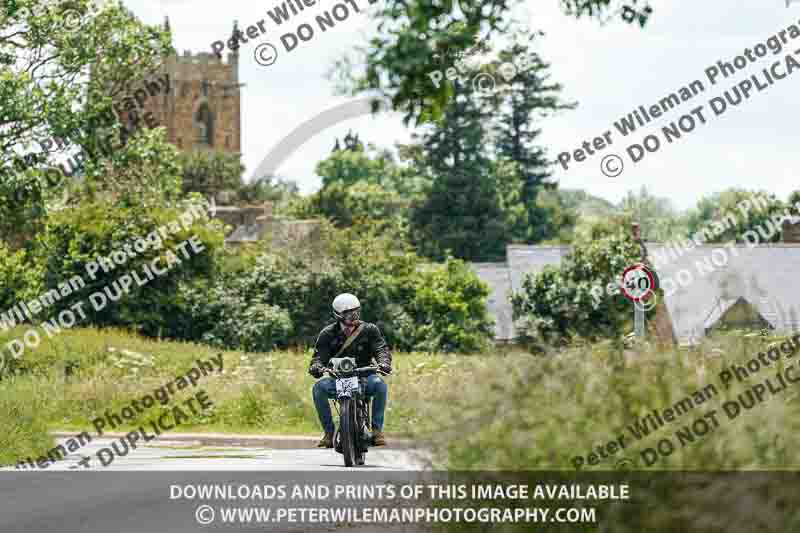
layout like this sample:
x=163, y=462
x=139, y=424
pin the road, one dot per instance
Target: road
x=137, y=492
x=161, y=455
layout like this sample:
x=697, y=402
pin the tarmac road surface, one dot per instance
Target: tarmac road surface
x=134, y=493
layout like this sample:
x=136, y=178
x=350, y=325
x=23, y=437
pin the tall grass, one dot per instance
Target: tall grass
x=81, y=374
x=525, y=412
x=26, y=407
x=508, y=410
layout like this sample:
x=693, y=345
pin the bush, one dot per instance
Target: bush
x=449, y=308
x=557, y=303
x=223, y=317
x=18, y=280
x=75, y=237
x=282, y=300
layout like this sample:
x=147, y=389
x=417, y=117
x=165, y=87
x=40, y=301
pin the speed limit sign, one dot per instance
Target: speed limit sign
x=638, y=282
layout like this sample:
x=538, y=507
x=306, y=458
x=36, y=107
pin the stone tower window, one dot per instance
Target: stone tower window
x=204, y=126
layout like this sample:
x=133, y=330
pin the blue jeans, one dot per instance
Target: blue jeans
x=325, y=388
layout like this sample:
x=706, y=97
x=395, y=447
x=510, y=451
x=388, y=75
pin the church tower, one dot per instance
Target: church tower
x=202, y=108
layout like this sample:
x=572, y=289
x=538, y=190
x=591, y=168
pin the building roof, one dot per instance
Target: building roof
x=496, y=275
x=767, y=276
x=523, y=260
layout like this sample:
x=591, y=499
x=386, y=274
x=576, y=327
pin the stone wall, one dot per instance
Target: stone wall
x=284, y=231
x=241, y=216
x=250, y=224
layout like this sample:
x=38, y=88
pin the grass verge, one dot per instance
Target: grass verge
x=73, y=378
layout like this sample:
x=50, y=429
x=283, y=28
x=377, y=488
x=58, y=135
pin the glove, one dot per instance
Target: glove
x=386, y=368
x=316, y=370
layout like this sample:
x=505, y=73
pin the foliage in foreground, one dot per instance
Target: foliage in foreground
x=404, y=48
x=526, y=414
x=539, y=412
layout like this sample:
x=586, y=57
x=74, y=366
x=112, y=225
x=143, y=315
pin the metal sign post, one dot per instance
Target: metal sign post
x=638, y=321
x=638, y=310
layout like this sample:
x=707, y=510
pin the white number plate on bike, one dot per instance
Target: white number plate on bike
x=346, y=386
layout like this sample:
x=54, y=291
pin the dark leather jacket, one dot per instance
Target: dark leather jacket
x=370, y=343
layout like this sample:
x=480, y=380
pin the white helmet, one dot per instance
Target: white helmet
x=345, y=303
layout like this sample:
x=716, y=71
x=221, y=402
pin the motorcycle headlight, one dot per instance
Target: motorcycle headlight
x=347, y=365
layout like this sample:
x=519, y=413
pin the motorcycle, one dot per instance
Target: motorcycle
x=354, y=435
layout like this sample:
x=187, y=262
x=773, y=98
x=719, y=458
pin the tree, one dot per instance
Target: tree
x=794, y=202
x=347, y=167
x=353, y=143
x=59, y=76
x=402, y=52
x=722, y=219
x=210, y=172
x=268, y=189
x=509, y=188
x=373, y=166
x=583, y=203
x=559, y=220
x=515, y=107
x=357, y=204
x=462, y=214
x=658, y=218
x=146, y=175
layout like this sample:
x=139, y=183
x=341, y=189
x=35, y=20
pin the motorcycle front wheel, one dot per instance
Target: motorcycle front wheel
x=347, y=430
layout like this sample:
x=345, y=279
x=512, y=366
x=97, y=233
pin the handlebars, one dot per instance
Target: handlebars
x=330, y=371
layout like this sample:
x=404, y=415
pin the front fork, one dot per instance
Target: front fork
x=366, y=422
x=363, y=406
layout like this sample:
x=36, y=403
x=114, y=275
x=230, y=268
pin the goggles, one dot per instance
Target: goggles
x=351, y=315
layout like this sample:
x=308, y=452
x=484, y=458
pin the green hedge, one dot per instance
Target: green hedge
x=233, y=298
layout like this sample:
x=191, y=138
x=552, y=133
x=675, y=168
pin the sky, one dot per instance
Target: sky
x=608, y=69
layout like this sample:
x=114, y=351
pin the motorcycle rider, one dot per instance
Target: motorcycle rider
x=367, y=344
